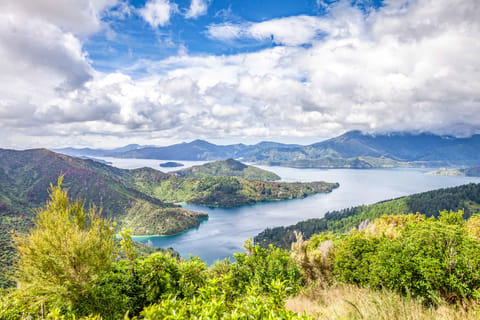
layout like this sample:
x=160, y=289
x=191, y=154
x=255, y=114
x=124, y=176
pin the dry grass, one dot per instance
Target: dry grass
x=350, y=302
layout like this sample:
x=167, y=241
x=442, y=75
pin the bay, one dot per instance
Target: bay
x=226, y=229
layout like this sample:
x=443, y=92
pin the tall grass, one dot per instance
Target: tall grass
x=350, y=302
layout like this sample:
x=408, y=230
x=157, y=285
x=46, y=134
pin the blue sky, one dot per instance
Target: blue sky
x=106, y=73
x=136, y=39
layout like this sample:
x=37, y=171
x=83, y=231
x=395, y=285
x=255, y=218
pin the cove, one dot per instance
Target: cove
x=227, y=228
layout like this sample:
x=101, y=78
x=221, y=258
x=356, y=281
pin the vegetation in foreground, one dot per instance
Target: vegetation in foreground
x=395, y=267
x=347, y=301
x=67, y=270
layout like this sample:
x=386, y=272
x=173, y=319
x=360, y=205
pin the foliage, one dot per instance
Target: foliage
x=260, y=267
x=162, y=286
x=61, y=257
x=211, y=306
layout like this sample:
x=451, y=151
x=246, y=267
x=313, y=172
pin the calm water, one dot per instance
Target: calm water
x=226, y=229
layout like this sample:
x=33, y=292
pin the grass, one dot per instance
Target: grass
x=349, y=302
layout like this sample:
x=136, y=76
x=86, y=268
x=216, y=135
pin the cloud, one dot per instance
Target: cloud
x=406, y=66
x=226, y=31
x=197, y=8
x=157, y=12
x=295, y=30
x=81, y=17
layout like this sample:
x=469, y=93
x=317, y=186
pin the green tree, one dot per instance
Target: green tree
x=62, y=256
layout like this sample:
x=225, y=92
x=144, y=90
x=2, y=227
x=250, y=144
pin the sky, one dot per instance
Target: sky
x=106, y=73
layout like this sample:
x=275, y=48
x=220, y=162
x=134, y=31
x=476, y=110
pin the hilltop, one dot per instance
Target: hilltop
x=229, y=167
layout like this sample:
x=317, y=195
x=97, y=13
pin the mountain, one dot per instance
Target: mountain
x=195, y=150
x=401, y=146
x=430, y=203
x=229, y=167
x=353, y=149
x=25, y=177
x=89, y=152
x=191, y=151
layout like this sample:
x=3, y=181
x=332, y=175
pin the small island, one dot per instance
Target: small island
x=171, y=164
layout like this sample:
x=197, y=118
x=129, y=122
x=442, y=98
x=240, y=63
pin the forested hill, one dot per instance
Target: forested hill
x=227, y=167
x=430, y=203
x=25, y=178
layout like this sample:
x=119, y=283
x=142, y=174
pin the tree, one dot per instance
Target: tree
x=64, y=253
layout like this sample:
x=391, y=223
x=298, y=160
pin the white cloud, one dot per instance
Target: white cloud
x=225, y=31
x=81, y=17
x=197, y=8
x=403, y=67
x=157, y=12
x=295, y=30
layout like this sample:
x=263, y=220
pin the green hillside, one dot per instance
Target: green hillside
x=25, y=177
x=430, y=203
x=141, y=199
x=230, y=167
x=223, y=191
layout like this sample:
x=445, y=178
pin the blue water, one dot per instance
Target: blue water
x=227, y=228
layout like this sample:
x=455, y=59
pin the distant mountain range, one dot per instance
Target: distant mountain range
x=353, y=149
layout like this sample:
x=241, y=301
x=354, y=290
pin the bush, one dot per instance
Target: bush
x=430, y=259
x=260, y=266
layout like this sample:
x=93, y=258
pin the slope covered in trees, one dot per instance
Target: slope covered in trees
x=229, y=167
x=430, y=203
x=25, y=177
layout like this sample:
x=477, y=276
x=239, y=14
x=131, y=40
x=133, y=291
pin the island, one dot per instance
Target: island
x=229, y=167
x=171, y=164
